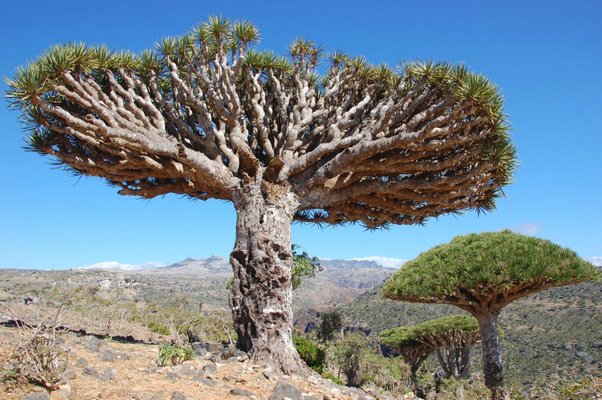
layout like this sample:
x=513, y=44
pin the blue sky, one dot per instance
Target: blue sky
x=546, y=57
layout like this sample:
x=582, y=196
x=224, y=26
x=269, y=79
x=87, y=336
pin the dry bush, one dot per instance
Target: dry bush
x=41, y=356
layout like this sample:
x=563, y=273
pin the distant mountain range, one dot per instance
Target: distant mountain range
x=218, y=262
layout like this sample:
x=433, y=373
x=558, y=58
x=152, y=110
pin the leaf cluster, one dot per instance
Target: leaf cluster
x=494, y=261
x=418, y=335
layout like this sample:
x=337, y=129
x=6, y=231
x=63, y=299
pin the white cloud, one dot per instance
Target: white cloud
x=114, y=265
x=528, y=228
x=597, y=260
x=386, y=262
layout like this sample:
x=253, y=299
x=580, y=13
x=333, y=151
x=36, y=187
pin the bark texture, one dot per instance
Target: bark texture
x=261, y=293
x=492, y=358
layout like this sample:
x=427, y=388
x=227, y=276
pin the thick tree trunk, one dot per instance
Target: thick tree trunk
x=492, y=358
x=261, y=293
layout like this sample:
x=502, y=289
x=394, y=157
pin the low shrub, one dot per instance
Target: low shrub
x=171, y=354
x=310, y=352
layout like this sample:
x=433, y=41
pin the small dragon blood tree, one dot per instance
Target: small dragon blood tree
x=482, y=273
x=451, y=338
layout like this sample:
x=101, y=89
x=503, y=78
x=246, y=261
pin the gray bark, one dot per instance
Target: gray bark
x=261, y=293
x=492, y=358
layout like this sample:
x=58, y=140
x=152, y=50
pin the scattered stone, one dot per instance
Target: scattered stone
x=240, y=353
x=171, y=375
x=199, y=349
x=242, y=392
x=585, y=356
x=178, y=396
x=154, y=369
x=232, y=360
x=210, y=368
x=183, y=369
x=147, y=395
x=62, y=393
x=197, y=374
x=286, y=390
x=108, y=374
x=267, y=374
x=81, y=362
x=69, y=374
x=30, y=300
x=91, y=371
x=122, y=356
x=206, y=381
x=37, y=396
x=107, y=355
x=92, y=343
x=74, y=337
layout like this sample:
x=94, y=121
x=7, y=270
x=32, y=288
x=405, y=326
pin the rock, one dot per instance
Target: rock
x=178, y=396
x=232, y=360
x=69, y=374
x=267, y=374
x=210, y=368
x=286, y=390
x=62, y=393
x=242, y=392
x=81, y=362
x=108, y=374
x=199, y=349
x=36, y=396
x=92, y=343
x=182, y=369
x=240, y=353
x=206, y=381
x=585, y=356
x=91, y=371
x=107, y=355
x=171, y=375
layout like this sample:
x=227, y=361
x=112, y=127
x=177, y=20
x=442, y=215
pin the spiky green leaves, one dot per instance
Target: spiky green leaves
x=220, y=34
x=268, y=60
x=487, y=264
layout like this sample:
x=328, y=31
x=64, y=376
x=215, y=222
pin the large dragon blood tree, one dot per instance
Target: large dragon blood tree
x=206, y=116
x=481, y=274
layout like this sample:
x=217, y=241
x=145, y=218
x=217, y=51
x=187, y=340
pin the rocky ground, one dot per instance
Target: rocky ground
x=106, y=369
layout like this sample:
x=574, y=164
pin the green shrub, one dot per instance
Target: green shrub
x=158, y=328
x=171, y=354
x=310, y=352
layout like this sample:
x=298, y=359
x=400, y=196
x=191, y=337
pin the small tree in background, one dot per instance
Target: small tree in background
x=402, y=340
x=482, y=273
x=452, y=339
x=331, y=322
